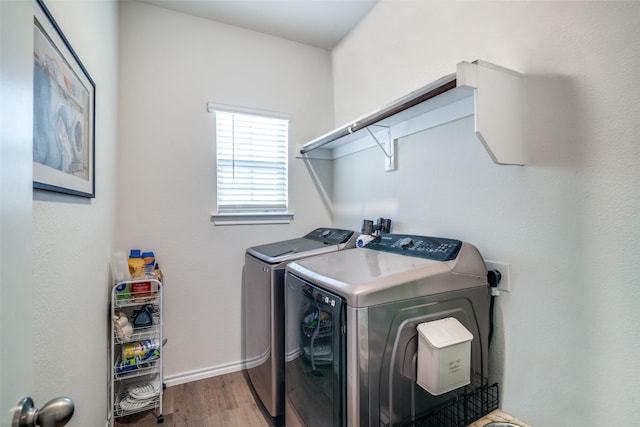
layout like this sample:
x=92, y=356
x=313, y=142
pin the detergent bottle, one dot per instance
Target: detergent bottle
x=149, y=263
x=136, y=264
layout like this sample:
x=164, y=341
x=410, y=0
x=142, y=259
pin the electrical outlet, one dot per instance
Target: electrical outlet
x=505, y=273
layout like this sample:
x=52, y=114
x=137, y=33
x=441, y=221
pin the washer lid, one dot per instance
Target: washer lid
x=319, y=241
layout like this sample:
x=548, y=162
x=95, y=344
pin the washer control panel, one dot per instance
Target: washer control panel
x=435, y=248
x=330, y=236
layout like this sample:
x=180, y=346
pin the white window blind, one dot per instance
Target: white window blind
x=251, y=162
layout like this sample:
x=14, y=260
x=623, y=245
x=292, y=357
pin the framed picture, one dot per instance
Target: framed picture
x=63, y=112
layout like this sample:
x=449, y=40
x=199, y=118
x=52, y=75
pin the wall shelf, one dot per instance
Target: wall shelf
x=490, y=93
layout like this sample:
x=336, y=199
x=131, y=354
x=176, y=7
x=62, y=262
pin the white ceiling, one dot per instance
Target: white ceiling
x=320, y=23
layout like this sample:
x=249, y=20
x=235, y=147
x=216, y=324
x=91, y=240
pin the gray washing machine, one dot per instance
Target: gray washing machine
x=264, y=310
x=351, y=327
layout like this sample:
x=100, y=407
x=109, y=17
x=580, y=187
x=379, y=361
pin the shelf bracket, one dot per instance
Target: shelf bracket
x=388, y=147
x=499, y=116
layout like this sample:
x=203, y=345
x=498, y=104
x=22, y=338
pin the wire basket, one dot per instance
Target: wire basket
x=461, y=410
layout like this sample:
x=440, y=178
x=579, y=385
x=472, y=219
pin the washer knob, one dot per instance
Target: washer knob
x=406, y=243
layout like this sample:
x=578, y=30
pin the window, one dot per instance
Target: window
x=251, y=151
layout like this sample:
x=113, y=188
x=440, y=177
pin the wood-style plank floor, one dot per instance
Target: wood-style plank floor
x=225, y=401
x=222, y=401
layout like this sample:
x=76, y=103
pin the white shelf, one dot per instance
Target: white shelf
x=490, y=93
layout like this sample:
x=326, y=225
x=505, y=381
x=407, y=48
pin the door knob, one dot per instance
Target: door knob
x=54, y=413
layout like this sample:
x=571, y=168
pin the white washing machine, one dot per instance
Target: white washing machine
x=351, y=327
x=264, y=271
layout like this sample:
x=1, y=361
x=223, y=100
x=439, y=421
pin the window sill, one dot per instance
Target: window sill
x=251, y=218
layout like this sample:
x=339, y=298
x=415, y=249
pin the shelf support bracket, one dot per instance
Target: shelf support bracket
x=499, y=115
x=387, y=147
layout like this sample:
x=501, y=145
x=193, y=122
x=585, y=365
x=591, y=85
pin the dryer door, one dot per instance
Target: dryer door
x=316, y=351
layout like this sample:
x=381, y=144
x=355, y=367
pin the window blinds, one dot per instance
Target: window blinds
x=252, y=162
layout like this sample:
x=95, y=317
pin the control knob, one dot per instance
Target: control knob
x=405, y=243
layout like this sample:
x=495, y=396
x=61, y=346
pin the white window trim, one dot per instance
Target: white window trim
x=212, y=107
x=249, y=218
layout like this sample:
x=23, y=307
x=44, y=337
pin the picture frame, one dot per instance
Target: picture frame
x=63, y=112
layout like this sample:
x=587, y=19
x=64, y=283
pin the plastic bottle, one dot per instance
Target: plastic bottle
x=139, y=290
x=158, y=272
x=120, y=274
x=128, y=364
x=148, y=258
x=149, y=264
x=119, y=268
x=136, y=264
x=139, y=348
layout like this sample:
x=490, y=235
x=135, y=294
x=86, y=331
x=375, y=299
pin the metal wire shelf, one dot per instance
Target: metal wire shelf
x=460, y=410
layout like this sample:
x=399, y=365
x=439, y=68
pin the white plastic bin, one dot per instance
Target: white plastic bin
x=444, y=355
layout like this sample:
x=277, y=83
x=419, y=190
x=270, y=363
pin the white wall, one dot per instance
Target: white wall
x=567, y=341
x=73, y=237
x=170, y=66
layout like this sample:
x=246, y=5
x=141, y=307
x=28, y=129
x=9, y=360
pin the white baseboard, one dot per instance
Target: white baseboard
x=201, y=374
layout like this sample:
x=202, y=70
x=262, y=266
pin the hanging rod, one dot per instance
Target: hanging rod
x=414, y=98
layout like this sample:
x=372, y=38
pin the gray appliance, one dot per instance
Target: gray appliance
x=264, y=310
x=351, y=327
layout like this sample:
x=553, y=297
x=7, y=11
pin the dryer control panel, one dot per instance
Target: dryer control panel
x=330, y=236
x=435, y=248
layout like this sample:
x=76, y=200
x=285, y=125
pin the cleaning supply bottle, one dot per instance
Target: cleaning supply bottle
x=140, y=291
x=136, y=264
x=139, y=348
x=158, y=272
x=149, y=263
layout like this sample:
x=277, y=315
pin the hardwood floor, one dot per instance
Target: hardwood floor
x=222, y=401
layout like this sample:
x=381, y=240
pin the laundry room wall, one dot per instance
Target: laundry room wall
x=171, y=65
x=567, y=334
x=73, y=236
